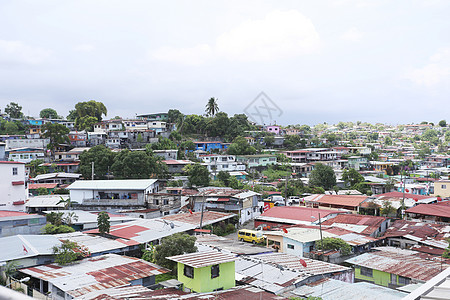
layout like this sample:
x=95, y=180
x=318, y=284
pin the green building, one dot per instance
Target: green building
x=204, y=272
x=393, y=267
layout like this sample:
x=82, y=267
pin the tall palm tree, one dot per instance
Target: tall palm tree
x=211, y=108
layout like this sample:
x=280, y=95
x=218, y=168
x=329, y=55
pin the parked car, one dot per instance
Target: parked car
x=251, y=236
x=293, y=200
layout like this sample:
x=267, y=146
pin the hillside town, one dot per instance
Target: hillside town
x=167, y=205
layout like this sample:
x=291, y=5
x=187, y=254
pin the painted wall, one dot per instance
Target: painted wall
x=202, y=281
x=379, y=277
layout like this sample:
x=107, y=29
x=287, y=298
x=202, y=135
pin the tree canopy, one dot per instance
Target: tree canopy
x=352, y=177
x=322, y=176
x=103, y=222
x=211, y=107
x=198, y=175
x=57, y=133
x=14, y=110
x=240, y=146
x=49, y=113
x=175, y=244
x=88, y=113
x=101, y=156
x=138, y=165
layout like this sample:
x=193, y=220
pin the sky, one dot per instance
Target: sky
x=315, y=61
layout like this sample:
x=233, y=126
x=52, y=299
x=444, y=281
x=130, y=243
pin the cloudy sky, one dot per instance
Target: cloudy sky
x=318, y=61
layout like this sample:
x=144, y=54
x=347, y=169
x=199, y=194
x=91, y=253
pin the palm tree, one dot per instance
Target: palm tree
x=211, y=108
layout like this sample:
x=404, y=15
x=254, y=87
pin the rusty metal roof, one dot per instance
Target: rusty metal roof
x=203, y=259
x=401, y=262
x=372, y=222
x=343, y=200
x=209, y=217
x=97, y=273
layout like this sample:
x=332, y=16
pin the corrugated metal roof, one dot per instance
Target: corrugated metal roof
x=209, y=217
x=22, y=246
x=203, y=259
x=147, y=230
x=305, y=214
x=46, y=201
x=400, y=262
x=331, y=289
x=97, y=273
x=126, y=184
x=303, y=235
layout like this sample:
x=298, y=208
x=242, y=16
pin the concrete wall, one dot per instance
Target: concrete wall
x=12, y=193
x=202, y=281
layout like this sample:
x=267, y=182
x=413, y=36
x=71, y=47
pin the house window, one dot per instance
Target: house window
x=366, y=272
x=443, y=186
x=403, y=280
x=14, y=170
x=188, y=271
x=393, y=279
x=290, y=246
x=214, y=271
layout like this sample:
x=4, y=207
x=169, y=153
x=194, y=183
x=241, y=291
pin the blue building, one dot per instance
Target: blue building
x=210, y=146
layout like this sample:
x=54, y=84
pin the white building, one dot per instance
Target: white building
x=13, y=188
x=113, y=192
x=217, y=163
x=27, y=143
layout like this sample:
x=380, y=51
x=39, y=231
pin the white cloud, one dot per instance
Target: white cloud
x=18, y=52
x=84, y=48
x=281, y=34
x=189, y=56
x=352, y=35
x=435, y=72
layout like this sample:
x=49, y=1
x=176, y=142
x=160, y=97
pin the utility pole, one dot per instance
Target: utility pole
x=92, y=165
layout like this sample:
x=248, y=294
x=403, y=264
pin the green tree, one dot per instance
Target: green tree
x=388, y=141
x=198, y=174
x=54, y=229
x=89, y=113
x=291, y=142
x=103, y=222
x=387, y=209
x=72, y=116
x=54, y=218
x=49, y=113
x=42, y=191
x=175, y=116
x=57, y=133
x=322, y=176
x=101, y=156
x=224, y=177
x=330, y=243
x=443, y=123
x=175, y=244
x=163, y=144
x=219, y=125
x=138, y=165
x=211, y=107
x=240, y=146
x=351, y=177
x=36, y=168
x=11, y=128
x=14, y=110
x=69, y=252
x=269, y=140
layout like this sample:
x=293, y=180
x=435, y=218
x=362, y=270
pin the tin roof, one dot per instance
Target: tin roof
x=371, y=223
x=46, y=201
x=35, y=186
x=209, y=217
x=437, y=210
x=96, y=273
x=22, y=246
x=294, y=215
x=138, y=292
x=401, y=262
x=343, y=200
x=203, y=259
x=332, y=289
x=146, y=230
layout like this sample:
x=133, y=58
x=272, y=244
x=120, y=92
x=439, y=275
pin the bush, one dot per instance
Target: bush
x=334, y=244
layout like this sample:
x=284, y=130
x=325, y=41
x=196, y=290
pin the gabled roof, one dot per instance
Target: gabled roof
x=438, y=210
x=372, y=223
x=401, y=262
x=126, y=184
x=203, y=259
x=97, y=273
x=296, y=215
x=344, y=200
x=23, y=246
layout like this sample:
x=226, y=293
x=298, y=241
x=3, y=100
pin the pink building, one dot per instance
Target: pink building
x=273, y=129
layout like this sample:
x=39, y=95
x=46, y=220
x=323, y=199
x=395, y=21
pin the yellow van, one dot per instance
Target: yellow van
x=251, y=236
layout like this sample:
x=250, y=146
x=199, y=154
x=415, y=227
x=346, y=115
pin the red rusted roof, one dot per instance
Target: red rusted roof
x=400, y=195
x=7, y=213
x=209, y=217
x=342, y=200
x=372, y=222
x=298, y=213
x=35, y=186
x=438, y=210
x=417, y=229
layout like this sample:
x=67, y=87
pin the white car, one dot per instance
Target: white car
x=293, y=200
